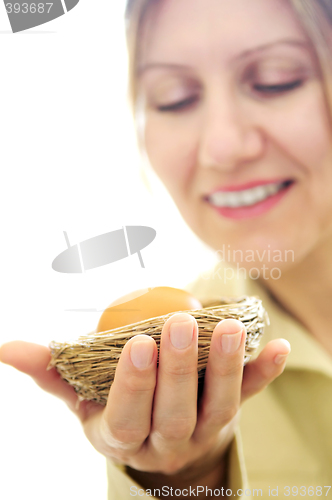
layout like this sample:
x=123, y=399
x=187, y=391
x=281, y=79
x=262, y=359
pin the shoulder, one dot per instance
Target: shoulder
x=222, y=280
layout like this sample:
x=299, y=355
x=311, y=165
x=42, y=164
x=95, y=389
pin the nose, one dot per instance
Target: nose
x=228, y=135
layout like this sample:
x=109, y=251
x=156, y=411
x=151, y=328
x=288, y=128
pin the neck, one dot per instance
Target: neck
x=305, y=291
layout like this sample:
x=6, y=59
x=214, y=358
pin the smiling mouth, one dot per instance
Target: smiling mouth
x=247, y=197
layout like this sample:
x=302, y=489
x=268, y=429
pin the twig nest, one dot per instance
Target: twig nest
x=89, y=363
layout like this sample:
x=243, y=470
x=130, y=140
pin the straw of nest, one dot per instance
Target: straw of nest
x=89, y=363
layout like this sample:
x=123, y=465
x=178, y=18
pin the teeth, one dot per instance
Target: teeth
x=235, y=199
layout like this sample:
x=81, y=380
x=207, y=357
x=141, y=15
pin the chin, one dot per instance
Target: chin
x=249, y=249
x=274, y=242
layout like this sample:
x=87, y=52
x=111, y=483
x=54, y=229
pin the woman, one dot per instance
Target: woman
x=232, y=106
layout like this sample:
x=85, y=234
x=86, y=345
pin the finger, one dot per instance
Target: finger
x=126, y=420
x=265, y=368
x=223, y=377
x=32, y=359
x=175, y=404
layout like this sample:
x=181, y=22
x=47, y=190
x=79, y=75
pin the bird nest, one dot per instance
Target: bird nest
x=89, y=363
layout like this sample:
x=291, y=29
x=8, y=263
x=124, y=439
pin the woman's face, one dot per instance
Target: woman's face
x=236, y=125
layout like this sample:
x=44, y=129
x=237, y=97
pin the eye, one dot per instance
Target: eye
x=177, y=106
x=278, y=89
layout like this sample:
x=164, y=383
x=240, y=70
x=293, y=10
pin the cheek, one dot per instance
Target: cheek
x=170, y=147
x=306, y=138
x=303, y=129
x=302, y=132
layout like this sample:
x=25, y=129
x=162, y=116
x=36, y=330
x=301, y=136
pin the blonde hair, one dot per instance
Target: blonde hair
x=314, y=15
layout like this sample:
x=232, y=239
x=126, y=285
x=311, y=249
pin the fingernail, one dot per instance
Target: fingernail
x=181, y=334
x=231, y=342
x=141, y=354
x=280, y=358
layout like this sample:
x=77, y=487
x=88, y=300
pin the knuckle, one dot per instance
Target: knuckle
x=228, y=368
x=172, y=464
x=264, y=373
x=134, y=384
x=177, y=429
x=129, y=436
x=182, y=371
x=221, y=417
x=117, y=456
x=121, y=437
x=171, y=468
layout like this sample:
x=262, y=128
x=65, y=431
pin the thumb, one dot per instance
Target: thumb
x=32, y=359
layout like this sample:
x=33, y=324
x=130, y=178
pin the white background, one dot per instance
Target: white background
x=69, y=163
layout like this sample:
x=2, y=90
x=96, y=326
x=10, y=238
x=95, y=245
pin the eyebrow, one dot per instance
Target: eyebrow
x=156, y=65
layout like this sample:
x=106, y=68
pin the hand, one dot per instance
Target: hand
x=155, y=424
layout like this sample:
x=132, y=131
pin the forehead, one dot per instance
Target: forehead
x=174, y=30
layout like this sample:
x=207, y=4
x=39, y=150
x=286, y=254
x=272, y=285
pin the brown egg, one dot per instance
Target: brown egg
x=145, y=304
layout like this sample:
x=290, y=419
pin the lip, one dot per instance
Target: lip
x=259, y=208
x=249, y=185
